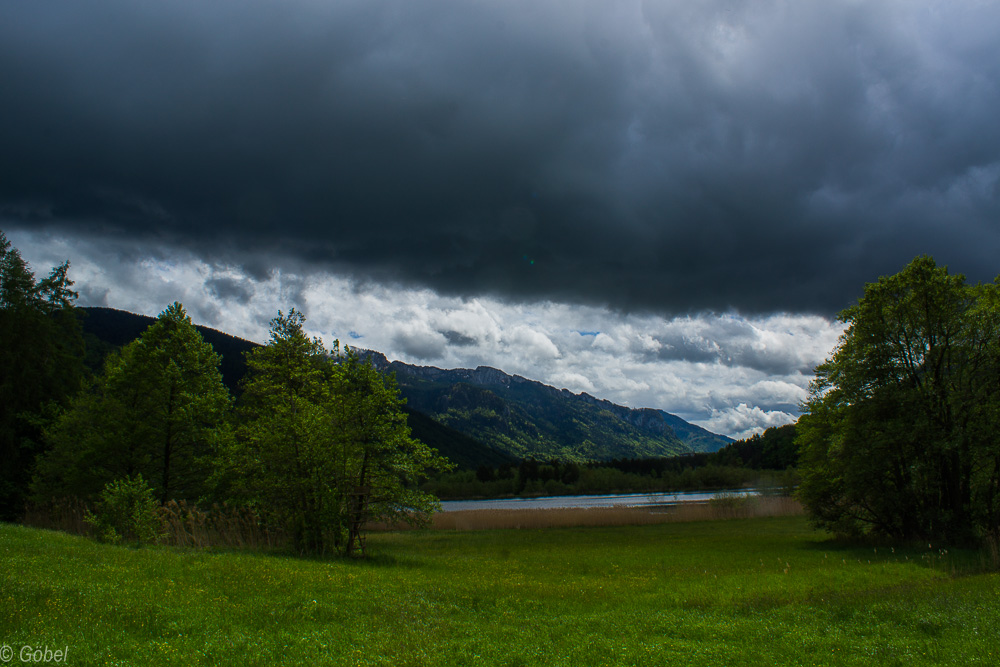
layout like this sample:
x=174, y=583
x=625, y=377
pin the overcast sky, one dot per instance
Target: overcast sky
x=660, y=203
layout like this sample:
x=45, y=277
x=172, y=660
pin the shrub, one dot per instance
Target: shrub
x=126, y=512
x=729, y=505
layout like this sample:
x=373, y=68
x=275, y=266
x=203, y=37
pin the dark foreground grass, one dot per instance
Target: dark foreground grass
x=762, y=591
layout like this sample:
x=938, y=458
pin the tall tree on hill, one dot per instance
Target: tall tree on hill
x=41, y=365
x=900, y=435
x=156, y=410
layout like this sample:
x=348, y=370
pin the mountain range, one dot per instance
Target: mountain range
x=474, y=417
x=526, y=418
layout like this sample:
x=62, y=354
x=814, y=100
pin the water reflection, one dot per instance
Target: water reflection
x=564, y=502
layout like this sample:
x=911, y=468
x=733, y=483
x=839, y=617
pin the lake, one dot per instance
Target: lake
x=564, y=502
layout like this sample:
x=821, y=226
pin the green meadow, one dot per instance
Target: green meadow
x=761, y=592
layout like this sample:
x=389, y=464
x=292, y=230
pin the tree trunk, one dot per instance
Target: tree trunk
x=167, y=447
x=358, y=506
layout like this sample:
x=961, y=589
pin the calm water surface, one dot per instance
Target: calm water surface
x=563, y=502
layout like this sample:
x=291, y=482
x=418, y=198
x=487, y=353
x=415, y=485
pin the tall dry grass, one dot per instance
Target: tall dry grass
x=181, y=524
x=220, y=526
x=615, y=516
x=67, y=515
x=225, y=526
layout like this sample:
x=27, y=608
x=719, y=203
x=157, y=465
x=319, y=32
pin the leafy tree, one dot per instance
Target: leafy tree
x=156, y=410
x=281, y=459
x=379, y=463
x=41, y=353
x=321, y=442
x=899, y=436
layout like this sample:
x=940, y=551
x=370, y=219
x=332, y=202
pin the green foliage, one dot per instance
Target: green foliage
x=899, y=435
x=380, y=464
x=157, y=409
x=756, y=592
x=106, y=329
x=774, y=449
x=41, y=352
x=282, y=456
x=126, y=512
x=322, y=442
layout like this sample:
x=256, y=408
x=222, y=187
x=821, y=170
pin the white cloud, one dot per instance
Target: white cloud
x=528, y=342
x=606, y=343
x=575, y=382
x=742, y=421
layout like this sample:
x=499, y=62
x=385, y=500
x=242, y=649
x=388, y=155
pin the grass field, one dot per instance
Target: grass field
x=762, y=591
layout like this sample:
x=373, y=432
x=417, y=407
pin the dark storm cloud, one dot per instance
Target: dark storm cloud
x=228, y=288
x=420, y=345
x=667, y=156
x=731, y=342
x=458, y=338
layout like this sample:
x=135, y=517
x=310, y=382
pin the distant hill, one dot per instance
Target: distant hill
x=465, y=452
x=525, y=418
x=473, y=417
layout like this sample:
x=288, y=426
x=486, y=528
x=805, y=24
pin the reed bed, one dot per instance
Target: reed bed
x=221, y=526
x=181, y=524
x=527, y=519
x=67, y=515
x=225, y=526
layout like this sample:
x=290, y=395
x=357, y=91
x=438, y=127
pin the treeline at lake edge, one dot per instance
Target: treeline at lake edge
x=764, y=461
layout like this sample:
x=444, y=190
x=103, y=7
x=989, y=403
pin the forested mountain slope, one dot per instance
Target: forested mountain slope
x=526, y=418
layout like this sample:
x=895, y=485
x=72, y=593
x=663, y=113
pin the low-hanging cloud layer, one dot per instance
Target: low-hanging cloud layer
x=731, y=374
x=653, y=164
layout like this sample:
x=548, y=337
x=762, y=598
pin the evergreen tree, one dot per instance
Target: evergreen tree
x=41, y=366
x=156, y=410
